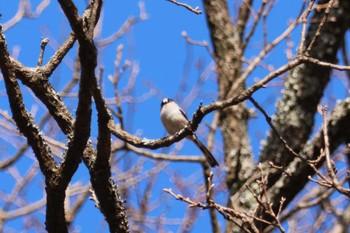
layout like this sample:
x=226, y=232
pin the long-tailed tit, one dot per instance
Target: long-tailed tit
x=174, y=119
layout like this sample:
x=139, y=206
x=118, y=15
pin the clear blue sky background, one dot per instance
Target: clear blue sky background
x=157, y=46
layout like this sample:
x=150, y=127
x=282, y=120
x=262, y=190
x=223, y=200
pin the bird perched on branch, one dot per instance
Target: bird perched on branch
x=174, y=119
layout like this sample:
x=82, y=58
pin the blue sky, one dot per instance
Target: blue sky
x=160, y=52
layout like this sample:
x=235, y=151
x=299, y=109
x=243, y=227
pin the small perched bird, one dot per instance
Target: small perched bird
x=174, y=119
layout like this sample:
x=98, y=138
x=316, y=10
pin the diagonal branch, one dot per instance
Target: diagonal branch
x=200, y=113
x=188, y=7
x=338, y=133
x=22, y=118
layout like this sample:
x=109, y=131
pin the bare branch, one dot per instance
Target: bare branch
x=188, y=7
x=44, y=42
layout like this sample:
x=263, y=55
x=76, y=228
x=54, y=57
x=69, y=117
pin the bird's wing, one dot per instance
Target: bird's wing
x=183, y=113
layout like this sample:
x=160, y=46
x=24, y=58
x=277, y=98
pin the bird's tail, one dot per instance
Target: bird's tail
x=208, y=155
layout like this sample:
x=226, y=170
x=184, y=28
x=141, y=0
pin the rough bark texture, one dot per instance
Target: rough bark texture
x=294, y=117
x=226, y=40
x=338, y=132
x=58, y=176
x=233, y=120
x=304, y=87
x=296, y=109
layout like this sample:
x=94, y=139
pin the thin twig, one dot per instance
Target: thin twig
x=44, y=42
x=166, y=157
x=315, y=61
x=203, y=43
x=304, y=21
x=269, y=121
x=188, y=7
x=255, y=24
x=326, y=142
x=318, y=32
